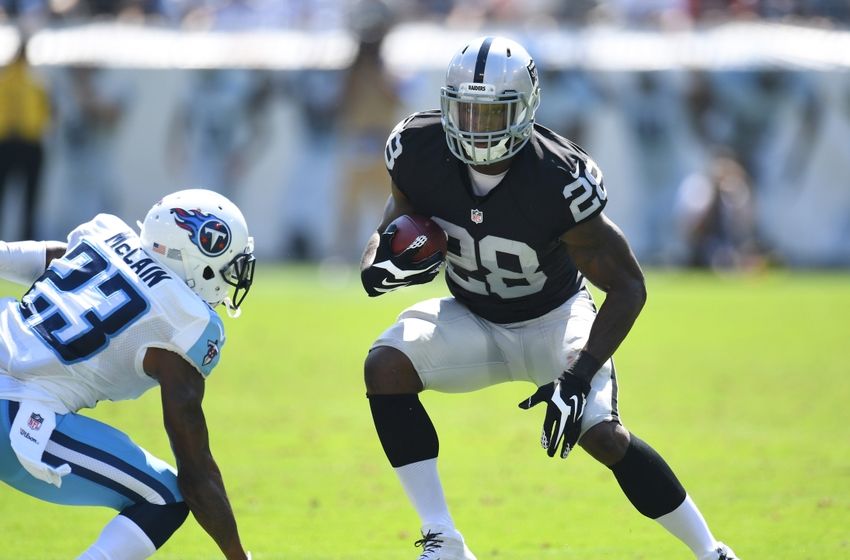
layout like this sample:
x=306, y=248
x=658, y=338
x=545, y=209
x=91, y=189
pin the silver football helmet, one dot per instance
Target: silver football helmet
x=489, y=100
x=202, y=237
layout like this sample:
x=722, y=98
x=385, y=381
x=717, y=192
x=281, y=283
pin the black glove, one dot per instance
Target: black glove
x=390, y=272
x=565, y=399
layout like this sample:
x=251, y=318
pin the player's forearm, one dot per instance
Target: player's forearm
x=616, y=316
x=55, y=250
x=207, y=499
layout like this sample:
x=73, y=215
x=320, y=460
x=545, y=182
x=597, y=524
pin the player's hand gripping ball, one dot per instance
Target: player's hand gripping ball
x=415, y=231
x=410, y=251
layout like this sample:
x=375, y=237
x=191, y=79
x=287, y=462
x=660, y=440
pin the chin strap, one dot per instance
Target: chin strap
x=480, y=155
x=232, y=311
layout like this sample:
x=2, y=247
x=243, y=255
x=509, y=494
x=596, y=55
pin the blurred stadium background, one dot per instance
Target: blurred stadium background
x=723, y=130
x=722, y=126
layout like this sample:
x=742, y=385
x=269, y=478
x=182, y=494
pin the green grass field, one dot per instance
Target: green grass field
x=740, y=382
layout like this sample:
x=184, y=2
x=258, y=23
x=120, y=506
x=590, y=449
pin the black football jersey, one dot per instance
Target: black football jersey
x=505, y=260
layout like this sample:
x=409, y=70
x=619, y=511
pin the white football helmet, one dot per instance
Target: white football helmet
x=202, y=237
x=489, y=100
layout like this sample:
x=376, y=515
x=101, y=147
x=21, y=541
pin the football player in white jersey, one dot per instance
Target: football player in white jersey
x=109, y=315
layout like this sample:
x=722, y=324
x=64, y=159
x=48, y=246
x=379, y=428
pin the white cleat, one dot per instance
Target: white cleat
x=722, y=552
x=443, y=543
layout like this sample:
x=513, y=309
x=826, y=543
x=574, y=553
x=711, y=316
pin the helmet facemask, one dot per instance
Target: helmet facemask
x=239, y=273
x=485, y=129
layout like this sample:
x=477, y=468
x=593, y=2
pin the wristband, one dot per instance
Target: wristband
x=585, y=367
x=22, y=262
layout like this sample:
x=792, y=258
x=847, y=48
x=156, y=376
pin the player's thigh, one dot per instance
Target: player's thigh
x=107, y=467
x=554, y=344
x=450, y=348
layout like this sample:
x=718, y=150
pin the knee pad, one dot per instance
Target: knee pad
x=158, y=522
x=648, y=481
x=404, y=428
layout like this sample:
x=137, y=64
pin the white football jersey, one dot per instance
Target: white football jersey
x=80, y=333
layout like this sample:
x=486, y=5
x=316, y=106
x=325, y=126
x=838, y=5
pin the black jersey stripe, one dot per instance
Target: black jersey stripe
x=13, y=411
x=481, y=61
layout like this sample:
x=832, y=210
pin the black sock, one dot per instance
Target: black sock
x=648, y=481
x=404, y=428
x=158, y=522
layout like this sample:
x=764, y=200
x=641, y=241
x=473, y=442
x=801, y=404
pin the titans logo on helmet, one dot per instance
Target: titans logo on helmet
x=209, y=233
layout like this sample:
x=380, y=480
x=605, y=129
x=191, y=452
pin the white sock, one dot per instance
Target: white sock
x=688, y=525
x=422, y=484
x=121, y=539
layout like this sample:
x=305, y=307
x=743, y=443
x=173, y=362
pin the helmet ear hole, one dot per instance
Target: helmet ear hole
x=208, y=274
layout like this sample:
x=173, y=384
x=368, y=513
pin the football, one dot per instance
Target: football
x=421, y=231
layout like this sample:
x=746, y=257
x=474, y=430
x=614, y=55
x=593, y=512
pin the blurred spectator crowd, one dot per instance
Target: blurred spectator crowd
x=276, y=13
x=706, y=168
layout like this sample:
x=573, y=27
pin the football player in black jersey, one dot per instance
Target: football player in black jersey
x=523, y=209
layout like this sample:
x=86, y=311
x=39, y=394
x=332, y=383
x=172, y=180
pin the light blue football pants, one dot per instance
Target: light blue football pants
x=107, y=468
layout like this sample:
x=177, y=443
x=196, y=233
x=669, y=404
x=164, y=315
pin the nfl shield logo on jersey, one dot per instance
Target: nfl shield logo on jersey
x=477, y=216
x=35, y=421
